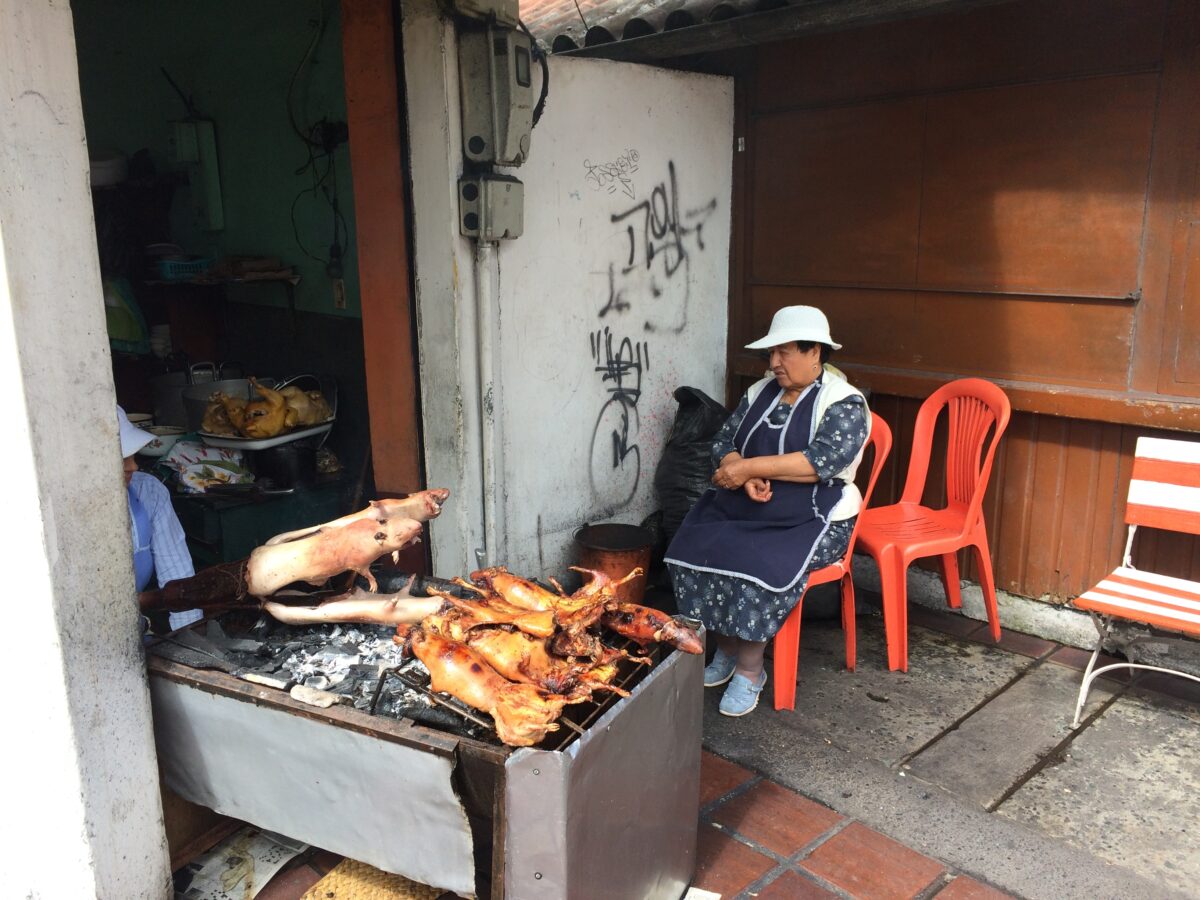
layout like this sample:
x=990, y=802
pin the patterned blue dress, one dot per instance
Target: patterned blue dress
x=737, y=607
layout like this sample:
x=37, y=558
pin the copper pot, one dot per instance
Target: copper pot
x=616, y=550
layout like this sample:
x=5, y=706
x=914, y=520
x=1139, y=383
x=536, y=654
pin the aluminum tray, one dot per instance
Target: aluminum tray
x=239, y=443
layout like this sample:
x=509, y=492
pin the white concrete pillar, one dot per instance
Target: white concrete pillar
x=443, y=265
x=82, y=815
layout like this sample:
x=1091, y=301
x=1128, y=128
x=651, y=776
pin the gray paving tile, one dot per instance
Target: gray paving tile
x=1126, y=791
x=886, y=715
x=990, y=751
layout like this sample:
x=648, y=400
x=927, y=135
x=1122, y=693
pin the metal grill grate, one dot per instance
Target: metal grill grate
x=576, y=718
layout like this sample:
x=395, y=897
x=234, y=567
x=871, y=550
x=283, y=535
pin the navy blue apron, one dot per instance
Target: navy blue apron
x=143, y=558
x=768, y=543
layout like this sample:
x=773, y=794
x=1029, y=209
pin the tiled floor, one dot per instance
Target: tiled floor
x=758, y=839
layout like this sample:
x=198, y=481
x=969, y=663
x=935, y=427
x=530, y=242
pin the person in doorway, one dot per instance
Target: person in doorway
x=783, y=502
x=159, y=545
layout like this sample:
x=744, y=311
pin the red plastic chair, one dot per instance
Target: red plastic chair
x=787, y=639
x=897, y=535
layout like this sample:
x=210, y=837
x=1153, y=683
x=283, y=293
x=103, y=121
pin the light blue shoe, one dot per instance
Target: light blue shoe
x=720, y=670
x=742, y=695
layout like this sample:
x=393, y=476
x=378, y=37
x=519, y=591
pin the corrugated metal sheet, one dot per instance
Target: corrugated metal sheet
x=647, y=31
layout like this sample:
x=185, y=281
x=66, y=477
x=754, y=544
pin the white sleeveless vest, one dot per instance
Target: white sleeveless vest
x=834, y=389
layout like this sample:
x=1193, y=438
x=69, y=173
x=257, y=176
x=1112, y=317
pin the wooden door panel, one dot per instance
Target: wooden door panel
x=1038, y=188
x=1019, y=338
x=836, y=194
x=1184, y=340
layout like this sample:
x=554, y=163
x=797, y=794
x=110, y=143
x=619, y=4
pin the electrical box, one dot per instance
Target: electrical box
x=496, y=77
x=193, y=143
x=491, y=207
x=503, y=12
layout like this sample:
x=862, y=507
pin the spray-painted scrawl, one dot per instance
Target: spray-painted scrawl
x=616, y=460
x=651, y=275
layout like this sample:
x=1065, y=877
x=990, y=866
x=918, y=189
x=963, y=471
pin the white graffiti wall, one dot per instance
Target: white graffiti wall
x=615, y=295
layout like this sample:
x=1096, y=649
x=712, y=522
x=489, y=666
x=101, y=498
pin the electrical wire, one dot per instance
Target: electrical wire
x=318, y=33
x=540, y=55
x=324, y=179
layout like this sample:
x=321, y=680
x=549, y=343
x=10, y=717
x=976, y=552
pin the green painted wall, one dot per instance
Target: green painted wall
x=236, y=59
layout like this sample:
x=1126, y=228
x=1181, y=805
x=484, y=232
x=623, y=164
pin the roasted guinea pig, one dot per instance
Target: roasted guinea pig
x=326, y=552
x=523, y=714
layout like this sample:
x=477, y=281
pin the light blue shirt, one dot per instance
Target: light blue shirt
x=168, y=543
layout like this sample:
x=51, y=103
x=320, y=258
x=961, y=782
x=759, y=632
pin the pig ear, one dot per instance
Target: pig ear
x=375, y=503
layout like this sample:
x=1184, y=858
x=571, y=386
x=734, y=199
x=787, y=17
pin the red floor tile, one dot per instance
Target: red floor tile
x=946, y=622
x=1074, y=658
x=719, y=776
x=964, y=888
x=1171, y=685
x=290, y=884
x=790, y=886
x=871, y=866
x=725, y=866
x=779, y=819
x=1016, y=642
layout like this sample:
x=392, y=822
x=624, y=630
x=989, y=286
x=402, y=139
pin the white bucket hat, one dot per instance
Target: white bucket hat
x=133, y=438
x=796, y=323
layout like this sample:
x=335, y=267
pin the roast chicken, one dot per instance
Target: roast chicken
x=269, y=415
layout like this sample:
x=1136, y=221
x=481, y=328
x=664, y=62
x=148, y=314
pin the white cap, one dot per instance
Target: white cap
x=796, y=323
x=133, y=438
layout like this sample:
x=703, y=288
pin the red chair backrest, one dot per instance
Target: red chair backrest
x=1164, y=491
x=977, y=409
x=881, y=439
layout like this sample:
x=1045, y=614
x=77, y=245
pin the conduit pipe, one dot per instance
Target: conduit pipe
x=488, y=405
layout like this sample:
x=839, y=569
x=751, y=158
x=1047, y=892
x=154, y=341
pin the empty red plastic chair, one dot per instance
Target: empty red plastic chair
x=897, y=535
x=787, y=639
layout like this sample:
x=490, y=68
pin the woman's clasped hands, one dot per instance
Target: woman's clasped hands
x=733, y=474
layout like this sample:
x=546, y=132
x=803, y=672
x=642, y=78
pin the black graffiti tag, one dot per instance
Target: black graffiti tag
x=616, y=459
x=658, y=237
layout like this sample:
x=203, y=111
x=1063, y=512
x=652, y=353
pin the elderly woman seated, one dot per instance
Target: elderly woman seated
x=783, y=502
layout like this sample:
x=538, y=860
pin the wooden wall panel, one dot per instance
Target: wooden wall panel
x=1055, y=508
x=1183, y=341
x=1003, y=44
x=1083, y=343
x=836, y=194
x=1038, y=188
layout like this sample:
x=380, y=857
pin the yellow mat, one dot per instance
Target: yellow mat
x=353, y=880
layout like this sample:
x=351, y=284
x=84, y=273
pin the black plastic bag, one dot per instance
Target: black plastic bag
x=685, y=470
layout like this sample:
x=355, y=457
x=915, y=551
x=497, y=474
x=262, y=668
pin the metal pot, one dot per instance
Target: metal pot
x=616, y=550
x=195, y=397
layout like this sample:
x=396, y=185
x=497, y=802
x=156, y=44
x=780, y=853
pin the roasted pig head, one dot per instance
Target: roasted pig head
x=422, y=506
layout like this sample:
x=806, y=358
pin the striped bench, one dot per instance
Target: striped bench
x=1164, y=493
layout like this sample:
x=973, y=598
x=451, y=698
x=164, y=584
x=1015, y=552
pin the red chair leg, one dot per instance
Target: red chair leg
x=848, y=621
x=988, y=583
x=893, y=577
x=950, y=580
x=787, y=657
